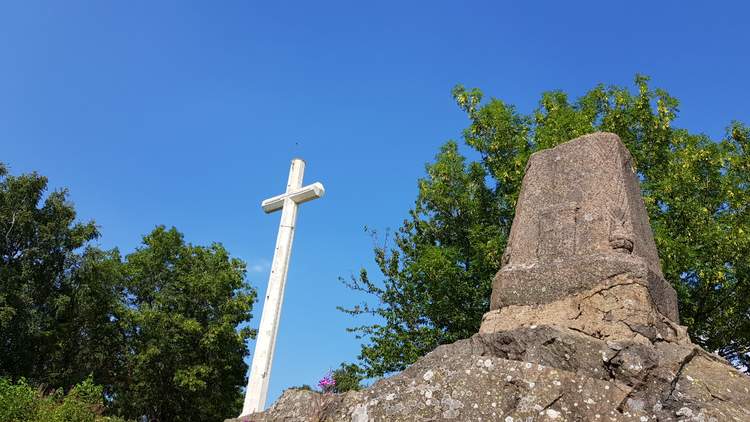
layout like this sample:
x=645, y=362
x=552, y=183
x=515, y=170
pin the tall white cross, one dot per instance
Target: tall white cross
x=260, y=371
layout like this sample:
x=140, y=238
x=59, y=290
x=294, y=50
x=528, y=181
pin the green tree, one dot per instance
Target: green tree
x=56, y=306
x=348, y=377
x=90, y=326
x=185, y=353
x=158, y=330
x=435, y=276
x=438, y=269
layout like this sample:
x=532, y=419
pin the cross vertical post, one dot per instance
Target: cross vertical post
x=260, y=370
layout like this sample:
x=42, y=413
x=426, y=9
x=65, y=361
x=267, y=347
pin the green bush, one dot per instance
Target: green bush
x=20, y=402
x=348, y=377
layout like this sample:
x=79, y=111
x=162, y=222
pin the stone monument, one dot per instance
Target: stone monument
x=582, y=325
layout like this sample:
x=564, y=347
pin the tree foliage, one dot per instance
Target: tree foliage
x=185, y=353
x=21, y=402
x=438, y=268
x=159, y=329
x=50, y=312
x=348, y=377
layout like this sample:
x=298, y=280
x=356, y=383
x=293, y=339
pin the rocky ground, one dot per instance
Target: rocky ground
x=601, y=355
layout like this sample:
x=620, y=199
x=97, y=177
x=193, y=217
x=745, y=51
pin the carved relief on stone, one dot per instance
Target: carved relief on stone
x=556, y=231
x=505, y=259
x=621, y=236
x=621, y=240
x=574, y=229
x=580, y=198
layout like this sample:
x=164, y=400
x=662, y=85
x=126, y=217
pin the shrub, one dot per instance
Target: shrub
x=20, y=402
x=347, y=377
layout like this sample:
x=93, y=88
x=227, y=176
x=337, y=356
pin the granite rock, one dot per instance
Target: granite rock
x=543, y=373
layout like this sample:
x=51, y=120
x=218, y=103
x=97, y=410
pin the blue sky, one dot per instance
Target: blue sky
x=187, y=114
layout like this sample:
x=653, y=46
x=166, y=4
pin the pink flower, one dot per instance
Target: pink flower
x=327, y=383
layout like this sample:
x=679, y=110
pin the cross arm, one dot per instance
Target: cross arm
x=303, y=194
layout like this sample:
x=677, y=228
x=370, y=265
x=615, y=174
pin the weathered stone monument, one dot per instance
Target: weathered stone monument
x=580, y=224
x=582, y=325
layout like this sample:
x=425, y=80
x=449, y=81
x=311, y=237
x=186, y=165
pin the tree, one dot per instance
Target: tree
x=158, y=330
x=435, y=276
x=347, y=377
x=438, y=269
x=90, y=327
x=185, y=353
x=54, y=317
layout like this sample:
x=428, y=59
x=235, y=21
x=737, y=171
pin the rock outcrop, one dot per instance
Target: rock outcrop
x=582, y=325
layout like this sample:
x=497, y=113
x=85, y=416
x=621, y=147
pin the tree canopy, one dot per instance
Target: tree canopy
x=185, y=351
x=437, y=271
x=162, y=330
x=44, y=298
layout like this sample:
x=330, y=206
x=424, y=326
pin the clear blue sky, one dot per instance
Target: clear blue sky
x=187, y=114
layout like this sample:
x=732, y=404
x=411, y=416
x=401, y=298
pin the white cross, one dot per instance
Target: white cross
x=260, y=371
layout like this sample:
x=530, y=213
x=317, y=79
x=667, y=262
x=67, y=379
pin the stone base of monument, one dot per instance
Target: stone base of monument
x=544, y=282
x=568, y=370
x=582, y=325
x=618, y=308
